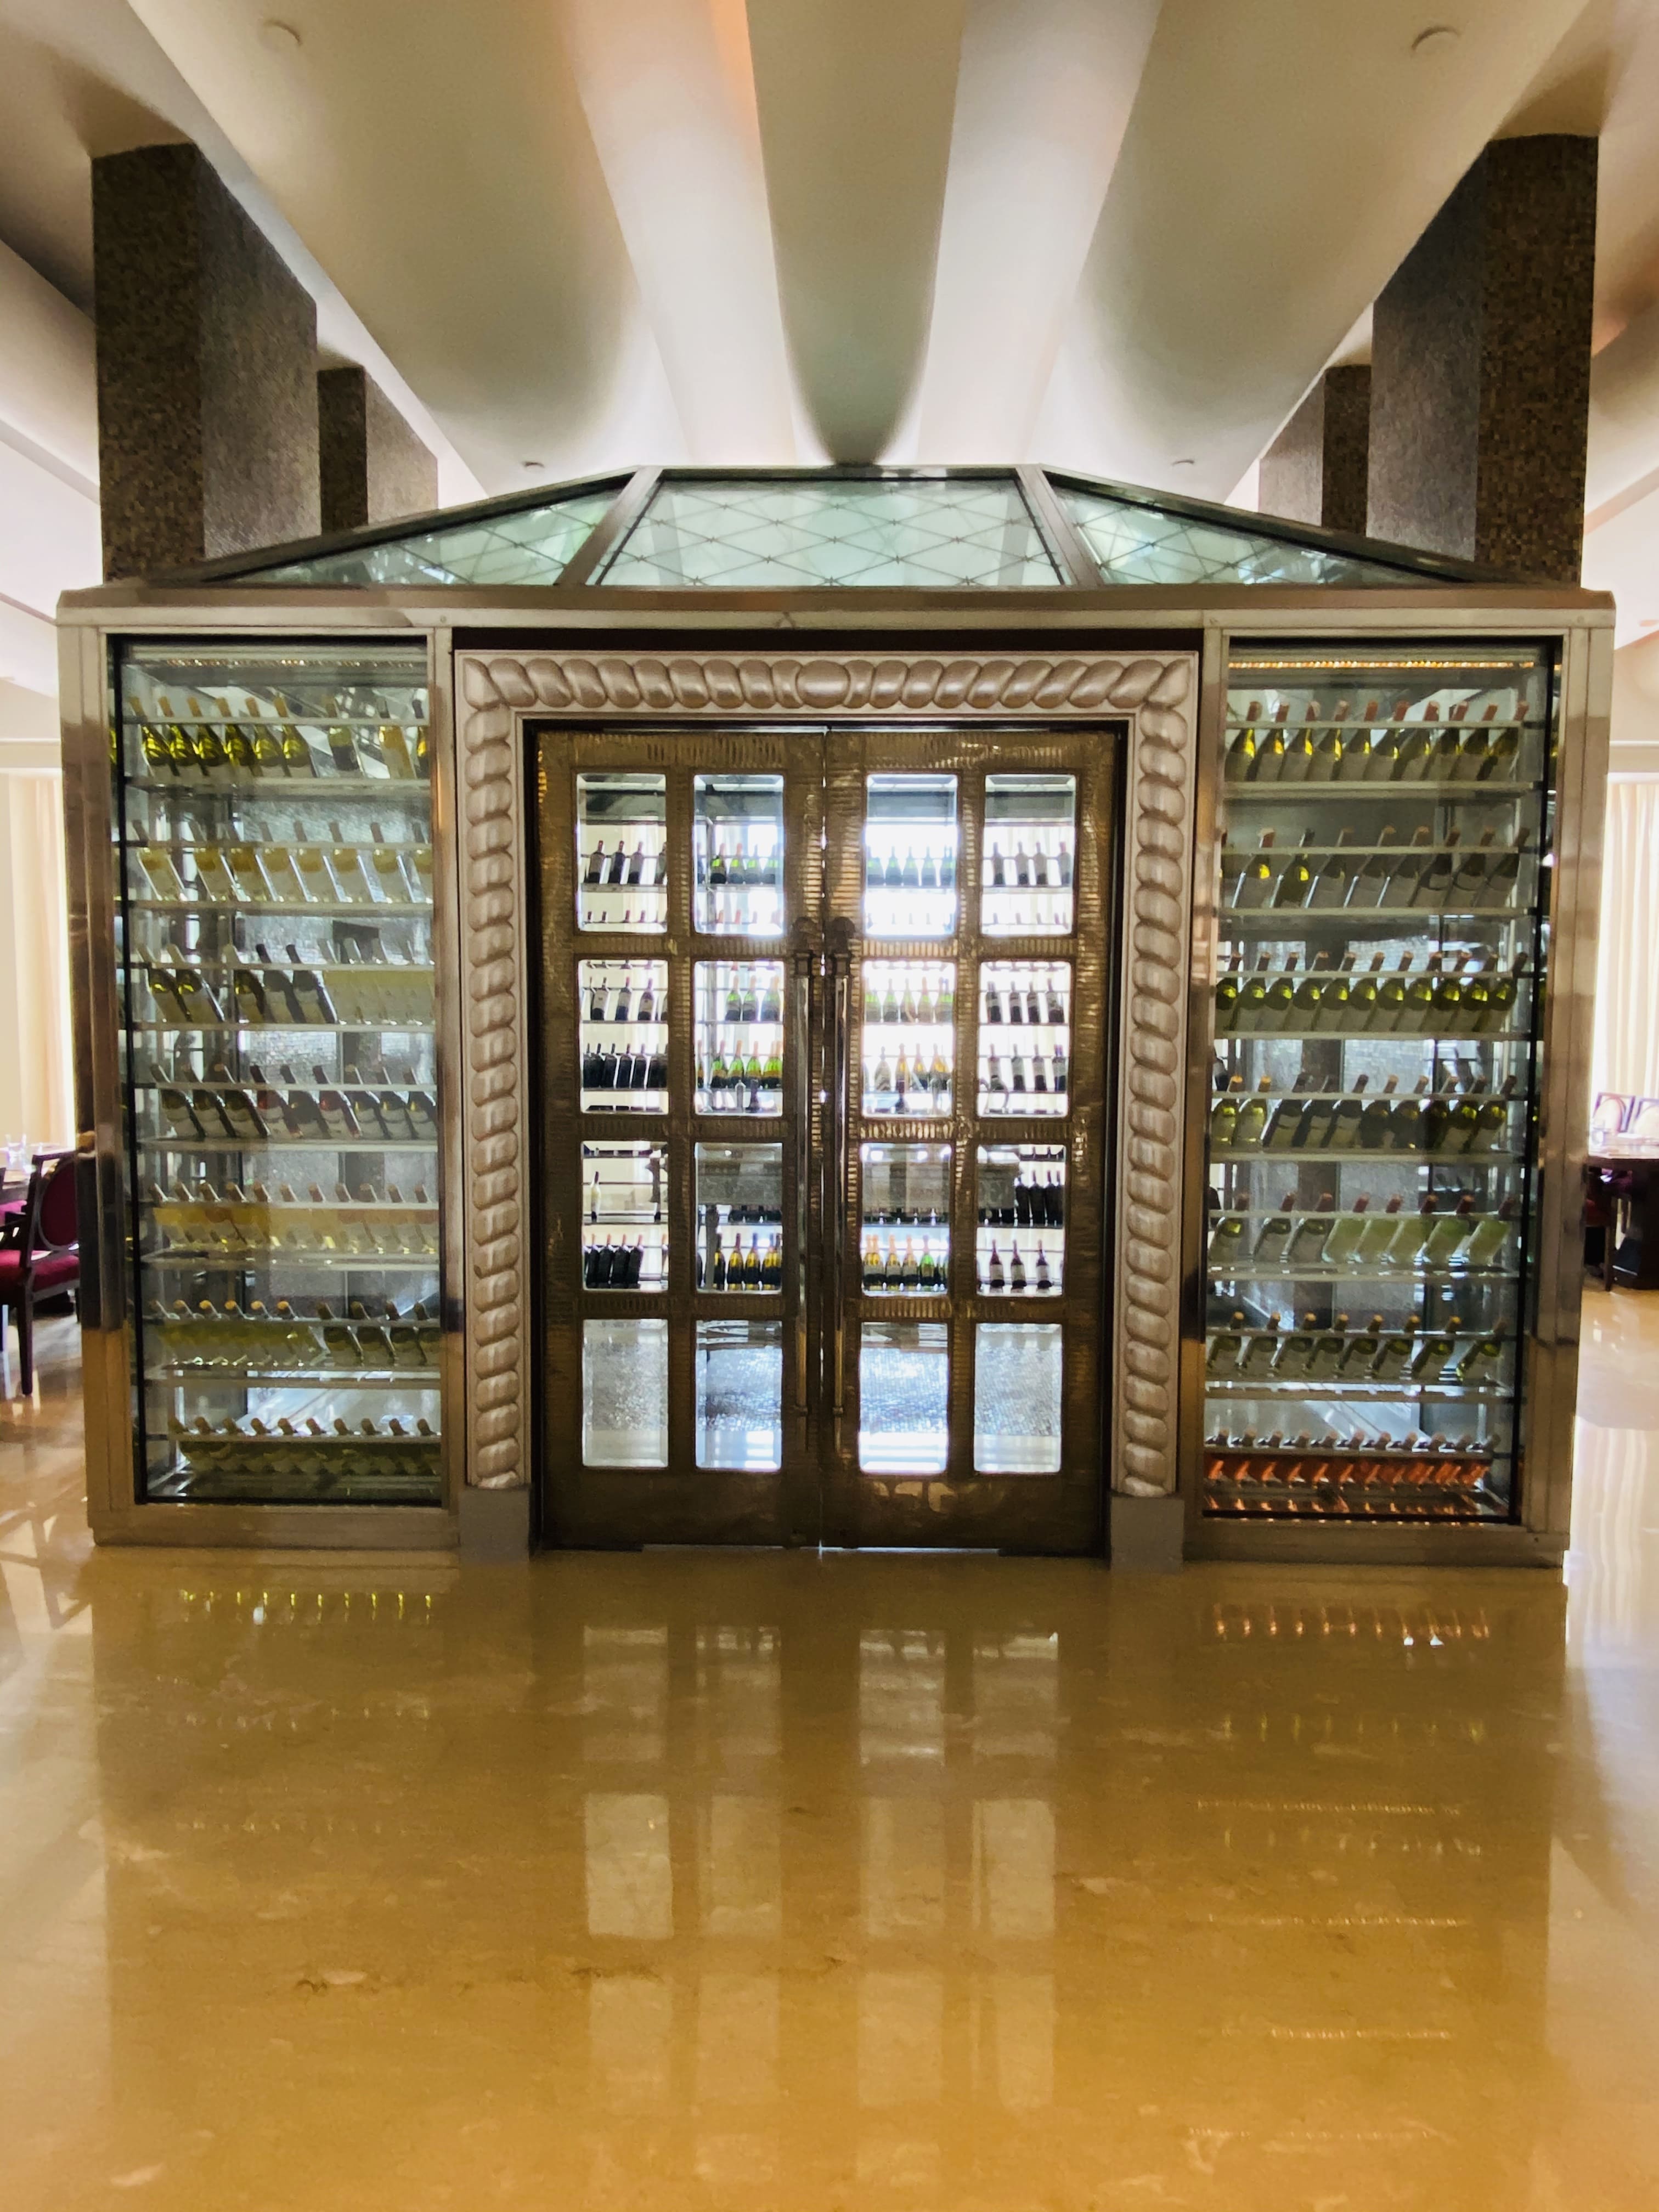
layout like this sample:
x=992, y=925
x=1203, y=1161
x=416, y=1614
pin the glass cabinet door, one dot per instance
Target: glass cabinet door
x=962, y=1309
x=1383, y=935
x=274, y=866
x=672, y=874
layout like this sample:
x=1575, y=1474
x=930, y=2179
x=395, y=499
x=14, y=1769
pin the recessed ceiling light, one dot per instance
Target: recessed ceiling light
x=281, y=38
x=1438, y=39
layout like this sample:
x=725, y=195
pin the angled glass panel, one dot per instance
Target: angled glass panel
x=534, y=546
x=938, y=534
x=1137, y=545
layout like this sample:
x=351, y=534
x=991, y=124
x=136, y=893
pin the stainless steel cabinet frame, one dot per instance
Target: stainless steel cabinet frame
x=1153, y=661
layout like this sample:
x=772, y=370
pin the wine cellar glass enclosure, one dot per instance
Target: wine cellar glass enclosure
x=962, y=1009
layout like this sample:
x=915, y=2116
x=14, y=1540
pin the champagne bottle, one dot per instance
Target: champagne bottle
x=1473, y=754
x=1469, y=883
x=1356, y=754
x=1376, y=1239
x=1329, y=1348
x=1252, y=1009
x=1433, y=888
x=1296, y=1350
x=1226, y=1246
x=1481, y=1362
x=1417, y=1016
x=1226, y=998
x=1313, y=1130
x=1495, y=1120
x=1309, y=996
x=1283, y=1125
x=1335, y=1000
x=1261, y=1351
x=1278, y=1008
x=1437, y=1348
x=1448, y=1233
x=1406, y=1120
x=1415, y=741
x=1498, y=893
x=1373, y=1132
x=1300, y=751
x=1394, y=1354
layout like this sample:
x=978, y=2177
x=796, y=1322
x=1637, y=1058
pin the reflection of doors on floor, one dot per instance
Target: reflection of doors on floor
x=824, y=1086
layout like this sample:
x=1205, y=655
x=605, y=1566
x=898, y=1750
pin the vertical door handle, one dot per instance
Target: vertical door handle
x=840, y=966
x=806, y=967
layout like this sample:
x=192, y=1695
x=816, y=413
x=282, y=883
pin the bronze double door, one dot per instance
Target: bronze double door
x=824, y=1081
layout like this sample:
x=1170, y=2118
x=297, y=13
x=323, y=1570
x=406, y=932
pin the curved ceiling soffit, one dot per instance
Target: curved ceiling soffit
x=1043, y=100
x=669, y=95
x=856, y=100
x=438, y=163
x=1219, y=281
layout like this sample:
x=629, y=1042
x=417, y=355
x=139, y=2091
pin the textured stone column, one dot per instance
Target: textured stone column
x=1480, y=359
x=207, y=360
x=1315, y=470
x=374, y=466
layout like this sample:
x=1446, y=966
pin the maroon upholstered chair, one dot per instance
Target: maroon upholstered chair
x=40, y=1250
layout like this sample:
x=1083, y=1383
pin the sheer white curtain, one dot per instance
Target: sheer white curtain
x=36, y=1099
x=1624, y=1056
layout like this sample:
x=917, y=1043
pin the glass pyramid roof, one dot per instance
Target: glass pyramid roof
x=850, y=530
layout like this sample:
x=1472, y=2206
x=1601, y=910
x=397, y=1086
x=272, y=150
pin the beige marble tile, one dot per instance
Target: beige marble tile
x=741, y=1881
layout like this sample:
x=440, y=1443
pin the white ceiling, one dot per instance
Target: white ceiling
x=573, y=235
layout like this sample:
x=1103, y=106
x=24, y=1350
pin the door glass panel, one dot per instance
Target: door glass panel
x=624, y=1035
x=740, y=1395
x=1017, y=1397
x=625, y=1392
x=738, y=1036
x=1024, y=1036
x=625, y=1236
x=905, y=1238
x=904, y=1383
x=737, y=833
x=1030, y=829
x=910, y=856
x=909, y=1045
x=1020, y=1240
x=739, y=1219
x=622, y=858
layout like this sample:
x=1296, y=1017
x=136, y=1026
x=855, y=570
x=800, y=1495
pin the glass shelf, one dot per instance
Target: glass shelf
x=275, y=878
x=1369, y=1142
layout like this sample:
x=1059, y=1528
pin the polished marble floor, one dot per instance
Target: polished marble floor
x=753, y=1880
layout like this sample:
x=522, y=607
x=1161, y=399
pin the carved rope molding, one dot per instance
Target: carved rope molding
x=1155, y=690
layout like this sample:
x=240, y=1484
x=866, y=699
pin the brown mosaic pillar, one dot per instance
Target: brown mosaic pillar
x=374, y=466
x=207, y=360
x=1315, y=470
x=1481, y=358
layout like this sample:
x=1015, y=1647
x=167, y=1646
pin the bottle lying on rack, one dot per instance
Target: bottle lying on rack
x=1359, y=1476
x=253, y=746
x=360, y=1228
x=258, y=1340
x=1376, y=749
x=391, y=1450
x=1365, y=1238
x=1387, y=877
x=617, y=1265
x=1451, y=995
x=303, y=874
x=1417, y=1355
x=217, y=1108
x=1453, y=1116
x=630, y=1072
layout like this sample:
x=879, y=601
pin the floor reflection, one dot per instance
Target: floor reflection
x=758, y=1881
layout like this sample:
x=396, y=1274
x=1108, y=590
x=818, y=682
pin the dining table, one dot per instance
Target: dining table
x=1626, y=1181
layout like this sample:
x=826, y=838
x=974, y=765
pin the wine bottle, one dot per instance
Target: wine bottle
x=1226, y=1246
x=1270, y=750
x=1274, y=1234
x=1252, y=1010
x=1498, y=892
x=1296, y=1350
x=1345, y=1120
x=1307, y=1245
x=1240, y=760
x=1335, y=878
x=1296, y=879
x=1408, y=871
x=1308, y=995
x=1494, y=1119
x=1325, y=767
x=1347, y=1233
x=1490, y=1234
x=1370, y=885
x=1313, y=1130
x=1448, y=1233
x=1256, y=886
x=1278, y=1006
x=1356, y=752
x=1224, y=1116
x=995, y=1279
x=1261, y=1352
x=1283, y=1125
x=1221, y=1354
x=1252, y=1123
